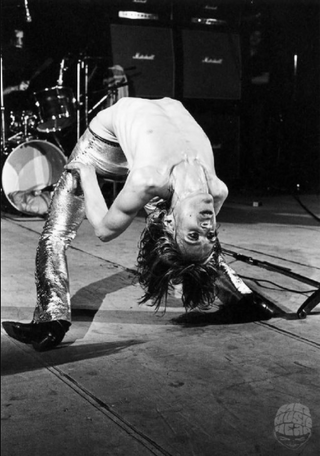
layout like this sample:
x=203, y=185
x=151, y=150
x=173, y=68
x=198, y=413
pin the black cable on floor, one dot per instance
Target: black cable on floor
x=278, y=286
x=296, y=197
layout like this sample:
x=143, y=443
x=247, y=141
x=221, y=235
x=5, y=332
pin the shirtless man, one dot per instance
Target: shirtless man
x=170, y=167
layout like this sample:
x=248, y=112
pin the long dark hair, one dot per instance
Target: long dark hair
x=161, y=265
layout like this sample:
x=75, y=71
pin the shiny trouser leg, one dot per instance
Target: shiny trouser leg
x=52, y=279
x=65, y=215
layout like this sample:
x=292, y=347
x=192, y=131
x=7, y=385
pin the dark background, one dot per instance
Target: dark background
x=77, y=28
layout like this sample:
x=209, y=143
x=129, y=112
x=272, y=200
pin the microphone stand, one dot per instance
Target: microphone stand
x=310, y=303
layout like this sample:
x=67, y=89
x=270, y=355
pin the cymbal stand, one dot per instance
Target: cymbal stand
x=3, y=132
x=87, y=78
x=78, y=95
x=82, y=64
x=110, y=92
x=83, y=68
x=86, y=91
x=58, y=142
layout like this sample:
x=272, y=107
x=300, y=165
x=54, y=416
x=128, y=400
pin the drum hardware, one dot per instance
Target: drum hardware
x=14, y=140
x=3, y=123
x=55, y=105
x=29, y=122
x=62, y=70
x=80, y=64
x=55, y=137
x=83, y=63
x=11, y=142
x=110, y=91
x=24, y=122
x=56, y=108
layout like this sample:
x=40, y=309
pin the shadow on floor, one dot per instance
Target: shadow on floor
x=25, y=359
x=231, y=314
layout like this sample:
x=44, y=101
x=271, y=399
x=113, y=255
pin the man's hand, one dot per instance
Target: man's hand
x=82, y=169
x=85, y=172
x=24, y=85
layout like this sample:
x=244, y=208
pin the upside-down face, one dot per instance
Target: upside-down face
x=193, y=222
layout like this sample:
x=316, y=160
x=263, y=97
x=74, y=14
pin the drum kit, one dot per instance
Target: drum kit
x=30, y=164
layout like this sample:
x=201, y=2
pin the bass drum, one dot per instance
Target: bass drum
x=31, y=167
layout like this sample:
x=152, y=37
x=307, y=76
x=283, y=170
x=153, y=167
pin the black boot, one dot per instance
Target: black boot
x=42, y=336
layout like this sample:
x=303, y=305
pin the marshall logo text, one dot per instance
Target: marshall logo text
x=139, y=56
x=214, y=61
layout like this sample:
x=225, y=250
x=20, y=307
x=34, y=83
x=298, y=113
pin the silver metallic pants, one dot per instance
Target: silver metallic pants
x=66, y=214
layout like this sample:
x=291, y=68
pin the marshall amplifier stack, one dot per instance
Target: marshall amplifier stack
x=187, y=49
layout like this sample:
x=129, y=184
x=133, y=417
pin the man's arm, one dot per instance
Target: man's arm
x=219, y=191
x=17, y=88
x=110, y=223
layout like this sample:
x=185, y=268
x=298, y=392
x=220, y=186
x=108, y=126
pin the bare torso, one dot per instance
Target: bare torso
x=155, y=134
x=168, y=154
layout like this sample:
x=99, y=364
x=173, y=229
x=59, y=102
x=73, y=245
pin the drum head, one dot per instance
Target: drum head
x=32, y=166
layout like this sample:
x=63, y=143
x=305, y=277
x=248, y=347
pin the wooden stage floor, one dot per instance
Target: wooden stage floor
x=126, y=381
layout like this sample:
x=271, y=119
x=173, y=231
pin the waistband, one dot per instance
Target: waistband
x=104, y=140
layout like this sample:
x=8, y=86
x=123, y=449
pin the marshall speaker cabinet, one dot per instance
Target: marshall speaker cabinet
x=148, y=52
x=222, y=126
x=211, y=65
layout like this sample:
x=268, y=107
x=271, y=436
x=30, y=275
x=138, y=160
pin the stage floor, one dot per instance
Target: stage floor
x=126, y=381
